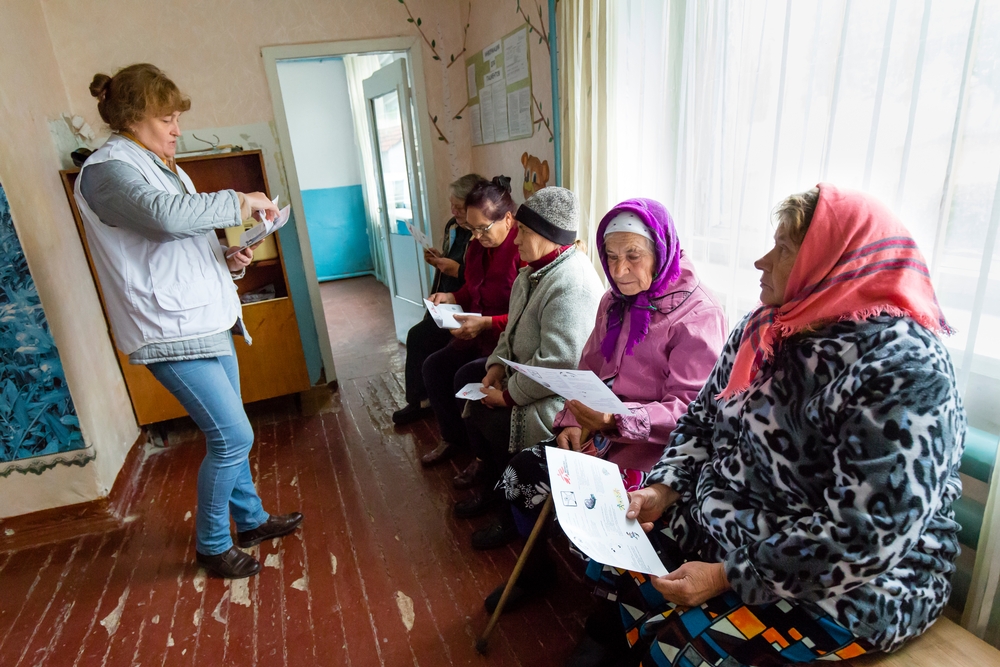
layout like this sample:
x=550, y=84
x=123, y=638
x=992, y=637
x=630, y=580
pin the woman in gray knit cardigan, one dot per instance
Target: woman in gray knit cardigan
x=552, y=307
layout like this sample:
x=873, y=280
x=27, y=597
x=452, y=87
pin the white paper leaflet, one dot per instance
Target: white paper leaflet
x=590, y=502
x=583, y=386
x=443, y=314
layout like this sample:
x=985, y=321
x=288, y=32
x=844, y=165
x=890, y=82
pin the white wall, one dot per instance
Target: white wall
x=320, y=122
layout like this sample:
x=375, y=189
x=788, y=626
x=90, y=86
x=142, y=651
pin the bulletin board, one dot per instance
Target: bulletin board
x=499, y=87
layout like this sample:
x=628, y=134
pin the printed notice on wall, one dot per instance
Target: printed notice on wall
x=477, y=125
x=486, y=114
x=499, y=83
x=515, y=50
x=519, y=112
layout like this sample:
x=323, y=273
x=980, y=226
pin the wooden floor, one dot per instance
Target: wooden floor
x=380, y=573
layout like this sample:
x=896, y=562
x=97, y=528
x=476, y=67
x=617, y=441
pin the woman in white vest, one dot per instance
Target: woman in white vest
x=169, y=292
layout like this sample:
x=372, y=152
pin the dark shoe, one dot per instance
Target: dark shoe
x=603, y=643
x=473, y=475
x=477, y=504
x=276, y=526
x=439, y=454
x=409, y=414
x=537, y=577
x=497, y=534
x=232, y=564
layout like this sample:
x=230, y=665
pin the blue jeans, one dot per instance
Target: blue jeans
x=209, y=389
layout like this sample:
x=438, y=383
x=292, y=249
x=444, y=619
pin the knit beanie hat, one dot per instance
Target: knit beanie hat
x=553, y=213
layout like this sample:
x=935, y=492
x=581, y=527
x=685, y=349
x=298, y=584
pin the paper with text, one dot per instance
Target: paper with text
x=590, y=502
x=471, y=392
x=443, y=314
x=262, y=230
x=419, y=236
x=583, y=386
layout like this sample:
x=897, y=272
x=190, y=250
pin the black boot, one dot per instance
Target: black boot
x=537, y=577
x=603, y=643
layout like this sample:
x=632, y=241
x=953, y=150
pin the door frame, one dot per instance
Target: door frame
x=411, y=47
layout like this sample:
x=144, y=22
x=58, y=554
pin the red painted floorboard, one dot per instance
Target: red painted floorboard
x=381, y=573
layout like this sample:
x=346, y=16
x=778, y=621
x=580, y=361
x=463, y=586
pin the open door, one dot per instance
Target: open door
x=388, y=101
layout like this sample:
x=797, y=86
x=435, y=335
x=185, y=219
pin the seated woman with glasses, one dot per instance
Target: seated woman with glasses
x=491, y=264
x=425, y=337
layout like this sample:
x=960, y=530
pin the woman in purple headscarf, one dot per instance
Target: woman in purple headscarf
x=657, y=337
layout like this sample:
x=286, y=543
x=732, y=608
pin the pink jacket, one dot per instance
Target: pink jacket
x=665, y=373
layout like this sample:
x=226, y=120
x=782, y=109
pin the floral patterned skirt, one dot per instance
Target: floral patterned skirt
x=525, y=483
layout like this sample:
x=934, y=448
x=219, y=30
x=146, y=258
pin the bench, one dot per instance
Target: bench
x=945, y=644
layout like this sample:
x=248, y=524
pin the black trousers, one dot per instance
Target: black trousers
x=445, y=372
x=424, y=339
x=489, y=436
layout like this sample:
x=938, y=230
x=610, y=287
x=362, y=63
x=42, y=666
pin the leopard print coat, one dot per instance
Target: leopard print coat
x=830, y=481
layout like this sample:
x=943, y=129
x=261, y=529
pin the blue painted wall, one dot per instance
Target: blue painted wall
x=338, y=231
x=291, y=252
x=37, y=415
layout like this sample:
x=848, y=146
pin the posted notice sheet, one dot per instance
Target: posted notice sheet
x=590, y=502
x=583, y=386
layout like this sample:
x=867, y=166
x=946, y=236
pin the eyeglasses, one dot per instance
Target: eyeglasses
x=480, y=231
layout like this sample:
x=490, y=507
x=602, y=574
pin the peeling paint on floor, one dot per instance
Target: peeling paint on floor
x=217, y=613
x=333, y=563
x=301, y=584
x=199, y=579
x=240, y=592
x=111, y=621
x=405, y=604
x=273, y=560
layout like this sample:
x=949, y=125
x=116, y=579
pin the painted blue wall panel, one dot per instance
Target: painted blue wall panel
x=37, y=416
x=338, y=231
x=297, y=286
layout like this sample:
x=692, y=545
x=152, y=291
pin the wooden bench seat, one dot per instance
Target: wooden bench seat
x=946, y=644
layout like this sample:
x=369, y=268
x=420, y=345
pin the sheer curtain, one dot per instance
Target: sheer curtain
x=586, y=48
x=358, y=69
x=722, y=108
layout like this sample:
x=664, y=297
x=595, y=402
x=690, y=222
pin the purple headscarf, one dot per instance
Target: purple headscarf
x=666, y=270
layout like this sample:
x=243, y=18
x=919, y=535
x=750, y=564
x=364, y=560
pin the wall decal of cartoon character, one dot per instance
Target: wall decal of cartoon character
x=536, y=174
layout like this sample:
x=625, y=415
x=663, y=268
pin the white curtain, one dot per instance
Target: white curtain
x=586, y=44
x=722, y=108
x=358, y=69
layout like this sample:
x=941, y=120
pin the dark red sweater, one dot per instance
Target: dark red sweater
x=489, y=275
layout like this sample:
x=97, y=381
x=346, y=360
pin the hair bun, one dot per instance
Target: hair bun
x=99, y=86
x=502, y=182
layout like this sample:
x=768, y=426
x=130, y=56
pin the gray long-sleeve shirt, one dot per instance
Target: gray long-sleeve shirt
x=121, y=197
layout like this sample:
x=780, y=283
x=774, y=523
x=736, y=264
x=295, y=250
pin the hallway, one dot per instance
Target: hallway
x=380, y=573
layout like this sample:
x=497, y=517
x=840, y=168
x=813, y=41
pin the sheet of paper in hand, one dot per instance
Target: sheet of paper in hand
x=591, y=501
x=262, y=230
x=419, y=236
x=471, y=392
x=583, y=386
x=443, y=314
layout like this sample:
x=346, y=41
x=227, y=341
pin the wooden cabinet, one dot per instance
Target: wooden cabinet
x=275, y=364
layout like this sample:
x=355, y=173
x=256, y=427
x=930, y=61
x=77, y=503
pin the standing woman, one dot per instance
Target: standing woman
x=170, y=297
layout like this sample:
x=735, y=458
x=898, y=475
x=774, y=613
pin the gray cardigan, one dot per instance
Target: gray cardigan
x=551, y=313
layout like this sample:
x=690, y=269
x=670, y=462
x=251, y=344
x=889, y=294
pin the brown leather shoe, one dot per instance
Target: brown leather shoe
x=275, y=526
x=473, y=475
x=439, y=454
x=232, y=564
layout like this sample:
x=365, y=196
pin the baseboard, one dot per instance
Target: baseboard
x=72, y=521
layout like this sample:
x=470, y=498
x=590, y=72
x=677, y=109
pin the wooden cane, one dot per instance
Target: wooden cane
x=483, y=642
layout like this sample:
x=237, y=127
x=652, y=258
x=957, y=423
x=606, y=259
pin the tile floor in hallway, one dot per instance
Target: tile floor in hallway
x=380, y=573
